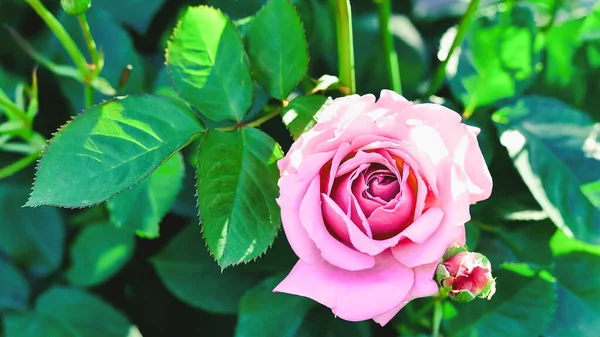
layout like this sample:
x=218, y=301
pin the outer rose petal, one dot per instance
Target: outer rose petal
x=423, y=286
x=353, y=296
x=469, y=156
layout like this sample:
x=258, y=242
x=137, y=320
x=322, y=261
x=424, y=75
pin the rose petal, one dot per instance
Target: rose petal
x=292, y=191
x=425, y=225
x=332, y=250
x=423, y=286
x=353, y=296
x=413, y=254
x=393, y=101
x=373, y=247
x=469, y=156
x=339, y=222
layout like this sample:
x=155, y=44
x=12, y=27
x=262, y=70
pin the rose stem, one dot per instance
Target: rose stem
x=96, y=59
x=384, y=9
x=345, y=44
x=64, y=37
x=463, y=26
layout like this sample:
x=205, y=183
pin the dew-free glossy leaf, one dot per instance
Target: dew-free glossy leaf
x=320, y=322
x=299, y=115
x=189, y=272
x=497, y=58
x=32, y=237
x=578, y=311
x=140, y=209
x=31, y=325
x=208, y=65
x=99, y=252
x=237, y=187
x=521, y=307
x=14, y=290
x=135, y=13
x=84, y=314
x=277, y=48
x=268, y=314
x=555, y=149
x=111, y=147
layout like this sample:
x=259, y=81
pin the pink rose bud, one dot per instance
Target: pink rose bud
x=466, y=275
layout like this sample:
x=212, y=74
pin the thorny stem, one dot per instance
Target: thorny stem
x=463, y=27
x=384, y=9
x=345, y=42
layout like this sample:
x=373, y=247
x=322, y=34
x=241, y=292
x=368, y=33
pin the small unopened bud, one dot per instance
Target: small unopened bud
x=466, y=275
x=75, y=7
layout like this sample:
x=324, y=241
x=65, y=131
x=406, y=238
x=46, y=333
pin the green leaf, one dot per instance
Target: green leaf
x=578, y=312
x=237, y=187
x=590, y=29
x=529, y=240
x=497, y=59
x=14, y=292
x=188, y=271
x=98, y=253
x=111, y=147
x=299, y=115
x=141, y=208
x=135, y=13
x=32, y=237
x=83, y=314
x=32, y=325
x=320, y=322
x=564, y=74
x=277, y=48
x=522, y=306
x=560, y=244
x=208, y=65
x=268, y=314
x=557, y=166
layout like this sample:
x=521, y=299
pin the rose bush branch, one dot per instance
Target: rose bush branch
x=384, y=10
x=463, y=27
x=342, y=12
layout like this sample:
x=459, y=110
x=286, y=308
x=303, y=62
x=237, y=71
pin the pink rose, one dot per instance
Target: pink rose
x=371, y=198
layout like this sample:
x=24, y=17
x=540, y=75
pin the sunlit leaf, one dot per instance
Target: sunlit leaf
x=237, y=187
x=277, y=48
x=497, y=59
x=299, y=115
x=111, y=147
x=555, y=149
x=208, y=65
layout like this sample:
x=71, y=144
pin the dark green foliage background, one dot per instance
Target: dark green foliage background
x=527, y=70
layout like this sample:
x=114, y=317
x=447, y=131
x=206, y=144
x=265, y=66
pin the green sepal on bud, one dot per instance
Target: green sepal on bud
x=465, y=275
x=75, y=7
